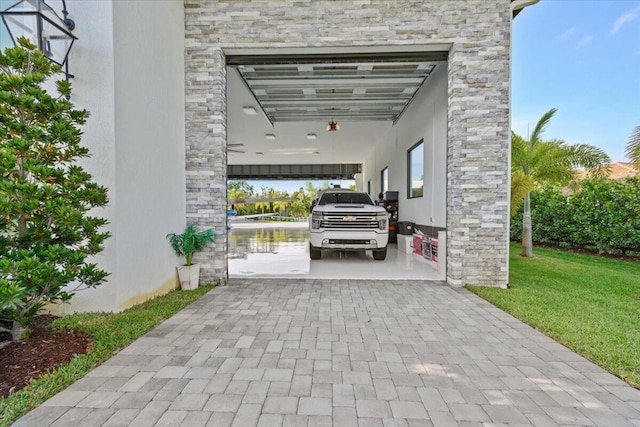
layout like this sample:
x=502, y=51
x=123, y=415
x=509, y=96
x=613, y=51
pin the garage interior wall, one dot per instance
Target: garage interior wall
x=129, y=73
x=426, y=119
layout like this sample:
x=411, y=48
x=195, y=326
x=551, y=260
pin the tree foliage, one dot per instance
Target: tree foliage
x=299, y=206
x=633, y=147
x=536, y=161
x=604, y=216
x=46, y=233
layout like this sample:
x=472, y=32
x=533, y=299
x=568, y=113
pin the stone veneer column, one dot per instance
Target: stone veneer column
x=478, y=165
x=206, y=152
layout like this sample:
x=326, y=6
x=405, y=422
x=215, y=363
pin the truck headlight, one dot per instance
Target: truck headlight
x=382, y=221
x=316, y=219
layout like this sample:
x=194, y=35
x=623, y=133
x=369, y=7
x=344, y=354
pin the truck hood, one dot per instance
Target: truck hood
x=352, y=208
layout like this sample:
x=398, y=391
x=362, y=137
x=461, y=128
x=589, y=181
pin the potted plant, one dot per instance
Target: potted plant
x=186, y=244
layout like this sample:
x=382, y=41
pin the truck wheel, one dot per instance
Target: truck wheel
x=314, y=253
x=380, y=254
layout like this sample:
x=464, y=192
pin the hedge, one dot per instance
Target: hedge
x=603, y=216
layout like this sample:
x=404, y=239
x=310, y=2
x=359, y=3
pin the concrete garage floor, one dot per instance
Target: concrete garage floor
x=277, y=249
x=344, y=353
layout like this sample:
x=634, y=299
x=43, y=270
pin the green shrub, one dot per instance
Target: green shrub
x=603, y=216
x=46, y=234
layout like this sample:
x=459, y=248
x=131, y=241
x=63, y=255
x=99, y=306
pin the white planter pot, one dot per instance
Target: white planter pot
x=189, y=276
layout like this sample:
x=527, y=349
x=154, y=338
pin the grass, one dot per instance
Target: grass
x=110, y=332
x=588, y=303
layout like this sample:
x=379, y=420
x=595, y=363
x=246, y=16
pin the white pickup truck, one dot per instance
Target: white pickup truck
x=347, y=220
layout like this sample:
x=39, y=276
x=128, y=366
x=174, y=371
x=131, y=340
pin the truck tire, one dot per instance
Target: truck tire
x=380, y=254
x=314, y=253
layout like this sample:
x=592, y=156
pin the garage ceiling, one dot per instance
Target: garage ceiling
x=323, y=87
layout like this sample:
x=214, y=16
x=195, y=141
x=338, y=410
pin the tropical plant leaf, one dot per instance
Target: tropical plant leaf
x=521, y=184
x=633, y=147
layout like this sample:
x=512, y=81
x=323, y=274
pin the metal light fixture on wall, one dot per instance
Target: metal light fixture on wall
x=333, y=126
x=38, y=22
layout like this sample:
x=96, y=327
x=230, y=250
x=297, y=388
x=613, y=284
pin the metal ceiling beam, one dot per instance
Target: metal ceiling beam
x=313, y=66
x=343, y=118
x=235, y=59
x=307, y=171
x=372, y=94
x=338, y=81
x=334, y=101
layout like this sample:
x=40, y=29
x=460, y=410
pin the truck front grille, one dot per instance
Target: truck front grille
x=349, y=221
x=349, y=242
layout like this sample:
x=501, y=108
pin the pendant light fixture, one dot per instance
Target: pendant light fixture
x=333, y=126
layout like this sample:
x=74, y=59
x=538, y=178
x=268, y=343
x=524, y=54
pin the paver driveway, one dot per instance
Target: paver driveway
x=343, y=353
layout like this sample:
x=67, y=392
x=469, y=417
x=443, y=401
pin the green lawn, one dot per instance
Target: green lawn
x=110, y=332
x=588, y=303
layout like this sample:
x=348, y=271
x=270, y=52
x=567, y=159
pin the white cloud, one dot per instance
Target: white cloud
x=568, y=33
x=625, y=18
x=584, y=41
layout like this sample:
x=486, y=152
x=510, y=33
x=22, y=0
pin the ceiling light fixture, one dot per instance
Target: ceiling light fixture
x=311, y=136
x=249, y=110
x=333, y=126
x=270, y=136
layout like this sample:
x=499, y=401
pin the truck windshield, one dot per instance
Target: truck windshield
x=348, y=198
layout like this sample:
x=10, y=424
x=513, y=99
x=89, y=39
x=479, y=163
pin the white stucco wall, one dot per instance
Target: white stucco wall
x=129, y=73
x=91, y=63
x=149, y=132
x=425, y=118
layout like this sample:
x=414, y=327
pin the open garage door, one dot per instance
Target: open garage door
x=316, y=116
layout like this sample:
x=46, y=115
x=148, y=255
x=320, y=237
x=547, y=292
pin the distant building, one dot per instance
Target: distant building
x=617, y=170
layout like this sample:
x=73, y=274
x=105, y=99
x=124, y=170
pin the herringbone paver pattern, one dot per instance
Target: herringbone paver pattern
x=343, y=353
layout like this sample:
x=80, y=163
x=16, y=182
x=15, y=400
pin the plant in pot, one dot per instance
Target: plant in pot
x=186, y=244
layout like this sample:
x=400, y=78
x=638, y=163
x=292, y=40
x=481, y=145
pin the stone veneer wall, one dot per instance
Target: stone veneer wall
x=479, y=32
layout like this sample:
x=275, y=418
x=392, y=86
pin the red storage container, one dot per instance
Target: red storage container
x=417, y=244
x=434, y=250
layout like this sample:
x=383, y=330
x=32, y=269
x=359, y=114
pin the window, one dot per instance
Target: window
x=415, y=170
x=369, y=187
x=384, y=180
x=330, y=198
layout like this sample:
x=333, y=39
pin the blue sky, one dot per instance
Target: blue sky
x=583, y=58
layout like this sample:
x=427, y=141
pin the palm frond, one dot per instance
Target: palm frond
x=541, y=126
x=633, y=146
x=521, y=184
x=588, y=156
x=551, y=160
x=519, y=153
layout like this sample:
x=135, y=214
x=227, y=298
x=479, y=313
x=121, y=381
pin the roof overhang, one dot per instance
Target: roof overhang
x=518, y=5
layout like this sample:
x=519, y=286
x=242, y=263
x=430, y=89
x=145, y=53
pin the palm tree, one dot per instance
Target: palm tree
x=535, y=161
x=279, y=206
x=633, y=147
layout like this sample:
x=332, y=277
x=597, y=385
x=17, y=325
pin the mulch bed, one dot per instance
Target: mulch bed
x=42, y=351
